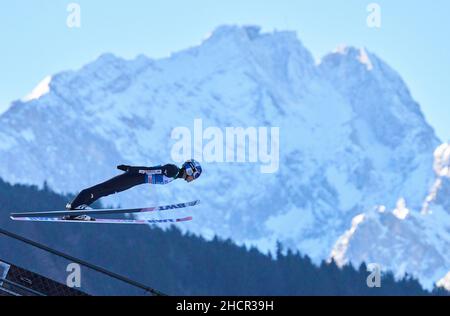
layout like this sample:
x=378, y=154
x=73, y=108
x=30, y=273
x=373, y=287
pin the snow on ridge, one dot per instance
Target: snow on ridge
x=41, y=89
x=444, y=282
x=339, y=251
x=442, y=160
x=401, y=211
x=441, y=168
x=364, y=59
x=420, y=243
x=360, y=55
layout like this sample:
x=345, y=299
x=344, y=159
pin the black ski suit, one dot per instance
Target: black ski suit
x=131, y=177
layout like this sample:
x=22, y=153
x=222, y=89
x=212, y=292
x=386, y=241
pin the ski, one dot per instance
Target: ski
x=104, y=211
x=103, y=221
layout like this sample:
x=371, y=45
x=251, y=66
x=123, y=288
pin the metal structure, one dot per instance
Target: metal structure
x=14, y=280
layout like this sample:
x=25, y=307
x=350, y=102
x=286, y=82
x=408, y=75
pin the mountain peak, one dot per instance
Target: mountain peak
x=363, y=62
x=248, y=32
x=108, y=58
x=352, y=55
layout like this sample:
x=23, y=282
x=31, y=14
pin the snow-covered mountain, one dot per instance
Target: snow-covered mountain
x=406, y=240
x=356, y=179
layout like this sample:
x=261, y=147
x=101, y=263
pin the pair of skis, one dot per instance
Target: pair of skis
x=57, y=216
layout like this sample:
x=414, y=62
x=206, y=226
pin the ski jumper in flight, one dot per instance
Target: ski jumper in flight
x=131, y=177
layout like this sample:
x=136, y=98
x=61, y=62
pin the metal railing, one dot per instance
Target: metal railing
x=16, y=285
x=99, y=269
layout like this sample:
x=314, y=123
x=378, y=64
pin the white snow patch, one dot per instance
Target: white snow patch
x=364, y=59
x=41, y=89
x=431, y=196
x=401, y=211
x=441, y=168
x=442, y=160
x=340, y=248
x=207, y=36
x=444, y=282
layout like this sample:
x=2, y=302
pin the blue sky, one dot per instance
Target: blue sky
x=36, y=42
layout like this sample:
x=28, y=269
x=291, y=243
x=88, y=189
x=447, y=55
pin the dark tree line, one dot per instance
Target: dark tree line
x=184, y=264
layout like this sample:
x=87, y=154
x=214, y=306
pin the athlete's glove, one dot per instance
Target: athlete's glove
x=124, y=168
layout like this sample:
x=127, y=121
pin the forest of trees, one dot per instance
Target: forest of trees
x=181, y=264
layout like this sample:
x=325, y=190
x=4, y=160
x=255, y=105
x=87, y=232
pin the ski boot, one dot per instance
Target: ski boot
x=78, y=217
